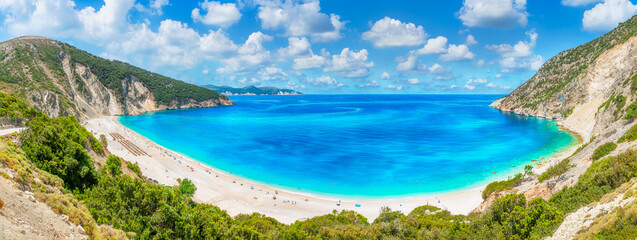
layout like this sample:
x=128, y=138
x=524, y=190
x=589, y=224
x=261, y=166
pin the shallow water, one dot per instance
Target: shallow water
x=358, y=145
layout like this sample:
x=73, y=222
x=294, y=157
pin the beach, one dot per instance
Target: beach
x=242, y=196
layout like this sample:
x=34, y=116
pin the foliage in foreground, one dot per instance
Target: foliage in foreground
x=504, y=185
x=604, y=150
x=630, y=134
x=555, y=170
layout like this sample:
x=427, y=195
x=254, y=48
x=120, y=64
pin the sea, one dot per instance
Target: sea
x=359, y=146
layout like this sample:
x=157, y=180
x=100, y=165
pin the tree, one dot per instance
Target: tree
x=186, y=187
x=114, y=165
x=528, y=170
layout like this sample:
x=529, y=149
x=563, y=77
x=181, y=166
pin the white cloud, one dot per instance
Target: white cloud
x=296, y=47
x=413, y=81
x=453, y=86
x=390, y=86
x=154, y=7
x=498, y=75
x=491, y=85
x=437, y=69
x=371, y=84
x=350, y=64
x=300, y=19
x=310, y=62
x=470, y=40
x=480, y=63
x=385, y=76
x=411, y=64
x=250, y=55
x=434, y=45
x=272, y=74
x=519, y=56
x=577, y=3
x=220, y=14
x=607, y=15
x=493, y=13
x=472, y=83
x=322, y=81
x=457, y=53
x=389, y=32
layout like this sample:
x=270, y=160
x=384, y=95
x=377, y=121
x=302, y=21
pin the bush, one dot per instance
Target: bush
x=58, y=146
x=555, y=170
x=502, y=185
x=604, y=150
x=630, y=135
x=134, y=168
x=103, y=140
x=631, y=111
x=114, y=165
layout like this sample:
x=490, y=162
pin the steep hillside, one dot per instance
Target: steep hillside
x=252, y=90
x=62, y=80
x=574, y=84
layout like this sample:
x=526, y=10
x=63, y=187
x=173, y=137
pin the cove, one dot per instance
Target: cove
x=371, y=146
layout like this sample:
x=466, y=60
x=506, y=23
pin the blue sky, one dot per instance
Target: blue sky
x=470, y=46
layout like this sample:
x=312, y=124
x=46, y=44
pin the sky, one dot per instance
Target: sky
x=335, y=46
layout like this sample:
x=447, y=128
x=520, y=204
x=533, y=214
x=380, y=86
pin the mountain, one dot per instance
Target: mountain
x=252, y=90
x=574, y=84
x=61, y=80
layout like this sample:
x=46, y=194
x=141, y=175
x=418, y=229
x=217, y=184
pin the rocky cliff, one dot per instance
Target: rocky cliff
x=574, y=84
x=61, y=80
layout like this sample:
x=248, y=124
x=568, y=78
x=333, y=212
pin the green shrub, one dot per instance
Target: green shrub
x=103, y=140
x=556, y=170
x=630, y=135
x=114, y=165
x=604, y=150
x=499, y=186
x=631, y=111
x=134, y=168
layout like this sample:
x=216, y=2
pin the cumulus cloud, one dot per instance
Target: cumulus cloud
x=389, y=32
x=272, y=74
x=607, y=15
x=493, y=13
x=411, y=64
x=434, y=45
x=385, y=76
x=472, y=83
x=300, y=19
x=250, y=55
x=519, y=56
x=311, y=62
x=322, y=81
x=457, y=53
x=470, y=40
x=296, y=47
x=220, y=14
x=391, y=86
x=413, y=81
x=154, y=7
x=577, y=3
x=370, y=84
x=350, y=64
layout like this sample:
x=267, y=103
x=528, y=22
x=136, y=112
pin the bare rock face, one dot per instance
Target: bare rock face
x=574, y=84
x=47, y=75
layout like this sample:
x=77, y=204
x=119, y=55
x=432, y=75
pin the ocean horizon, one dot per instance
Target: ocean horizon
x=359, y=145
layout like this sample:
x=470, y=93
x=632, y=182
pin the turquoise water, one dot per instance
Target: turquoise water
x=358, y=145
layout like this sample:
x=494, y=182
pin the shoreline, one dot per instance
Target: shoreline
x=238, y=195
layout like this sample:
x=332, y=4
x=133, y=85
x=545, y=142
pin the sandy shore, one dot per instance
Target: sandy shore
x=237, y=195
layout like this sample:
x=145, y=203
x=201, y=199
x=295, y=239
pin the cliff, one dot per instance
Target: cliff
x=61, y=80
x=574, y=84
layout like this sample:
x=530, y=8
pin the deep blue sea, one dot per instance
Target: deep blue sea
x=358, y=145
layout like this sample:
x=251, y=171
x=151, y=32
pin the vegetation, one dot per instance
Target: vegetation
x=103, y=141
x=630, y=135
x=114, y=165
x=604, y=150
x=499, y=186
x=152, y=211
x=59, y=146
x=631, y=111
x=111, y=74
x=134, y=168
x=556, y=170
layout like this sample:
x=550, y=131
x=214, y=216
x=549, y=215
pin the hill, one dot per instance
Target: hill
x=252, y=90
x=62, y=80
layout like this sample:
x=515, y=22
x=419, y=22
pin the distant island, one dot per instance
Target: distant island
x=251, y=90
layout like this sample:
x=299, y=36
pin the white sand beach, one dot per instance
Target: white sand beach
x=237, y=195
